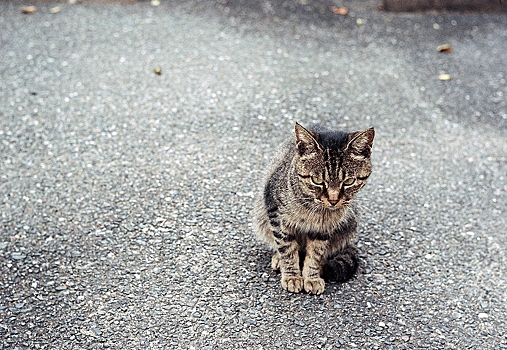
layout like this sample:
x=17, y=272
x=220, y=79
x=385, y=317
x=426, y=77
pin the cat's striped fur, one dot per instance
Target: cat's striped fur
x=306, y=212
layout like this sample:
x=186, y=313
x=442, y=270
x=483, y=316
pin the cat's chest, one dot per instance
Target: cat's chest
x=302, y=220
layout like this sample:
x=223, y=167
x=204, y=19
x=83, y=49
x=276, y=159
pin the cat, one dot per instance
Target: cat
x=306, y=212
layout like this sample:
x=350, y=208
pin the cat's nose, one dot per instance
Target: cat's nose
x=333, y=201
x=333, y=196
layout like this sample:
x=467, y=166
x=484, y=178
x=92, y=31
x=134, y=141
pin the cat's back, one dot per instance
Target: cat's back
x=274, y=179
x=282, y=157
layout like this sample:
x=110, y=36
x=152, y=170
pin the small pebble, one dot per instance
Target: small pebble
x=18, y=256
x=97, y=331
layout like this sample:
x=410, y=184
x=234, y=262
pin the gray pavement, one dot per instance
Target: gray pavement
x=125, y=195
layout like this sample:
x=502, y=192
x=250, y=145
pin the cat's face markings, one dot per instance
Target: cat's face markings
x=333, y=172
x=323, y=177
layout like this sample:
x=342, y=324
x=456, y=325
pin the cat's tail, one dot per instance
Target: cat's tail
x=342, y=265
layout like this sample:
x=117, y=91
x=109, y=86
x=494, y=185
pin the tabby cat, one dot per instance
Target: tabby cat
x=306, y=213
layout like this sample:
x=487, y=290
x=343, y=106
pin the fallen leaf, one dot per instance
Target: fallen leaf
x=340, y=10
x=29, y=9
x=444, y=48
x=444, y=77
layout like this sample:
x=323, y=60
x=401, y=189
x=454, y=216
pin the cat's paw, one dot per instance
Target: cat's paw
x=314, y=285
x=293, y=284
x=275, y=262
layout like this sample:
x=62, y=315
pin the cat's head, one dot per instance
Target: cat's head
x=332, y=166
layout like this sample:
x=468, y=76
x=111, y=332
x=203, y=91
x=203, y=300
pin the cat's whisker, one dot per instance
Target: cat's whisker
x=364, y=208
x=299, y=201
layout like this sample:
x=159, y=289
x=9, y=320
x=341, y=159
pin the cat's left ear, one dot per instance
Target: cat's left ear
x=305, y=141
x=360, y=142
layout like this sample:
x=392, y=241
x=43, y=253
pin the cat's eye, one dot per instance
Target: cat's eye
x=349, y=181
x=317, y=181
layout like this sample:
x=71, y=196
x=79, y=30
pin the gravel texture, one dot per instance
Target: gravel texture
x=125, y=195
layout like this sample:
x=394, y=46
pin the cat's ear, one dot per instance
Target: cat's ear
x=360, y=142
x=305, y=141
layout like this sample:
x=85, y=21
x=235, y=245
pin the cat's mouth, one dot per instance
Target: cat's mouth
x=333, y=206
x=342, y=203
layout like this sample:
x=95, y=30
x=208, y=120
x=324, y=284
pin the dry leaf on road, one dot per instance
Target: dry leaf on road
x=444, y=48
x=339, y=10
x=444, y=77
x=29, y=9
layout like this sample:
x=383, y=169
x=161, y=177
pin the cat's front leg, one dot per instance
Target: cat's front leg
x=288, y=262
x=275, y=262
x=315, y=254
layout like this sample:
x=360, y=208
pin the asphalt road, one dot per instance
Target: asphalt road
x=125, y=196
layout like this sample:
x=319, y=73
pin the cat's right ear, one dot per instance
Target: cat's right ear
x=360, y=142
x=305, y=141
